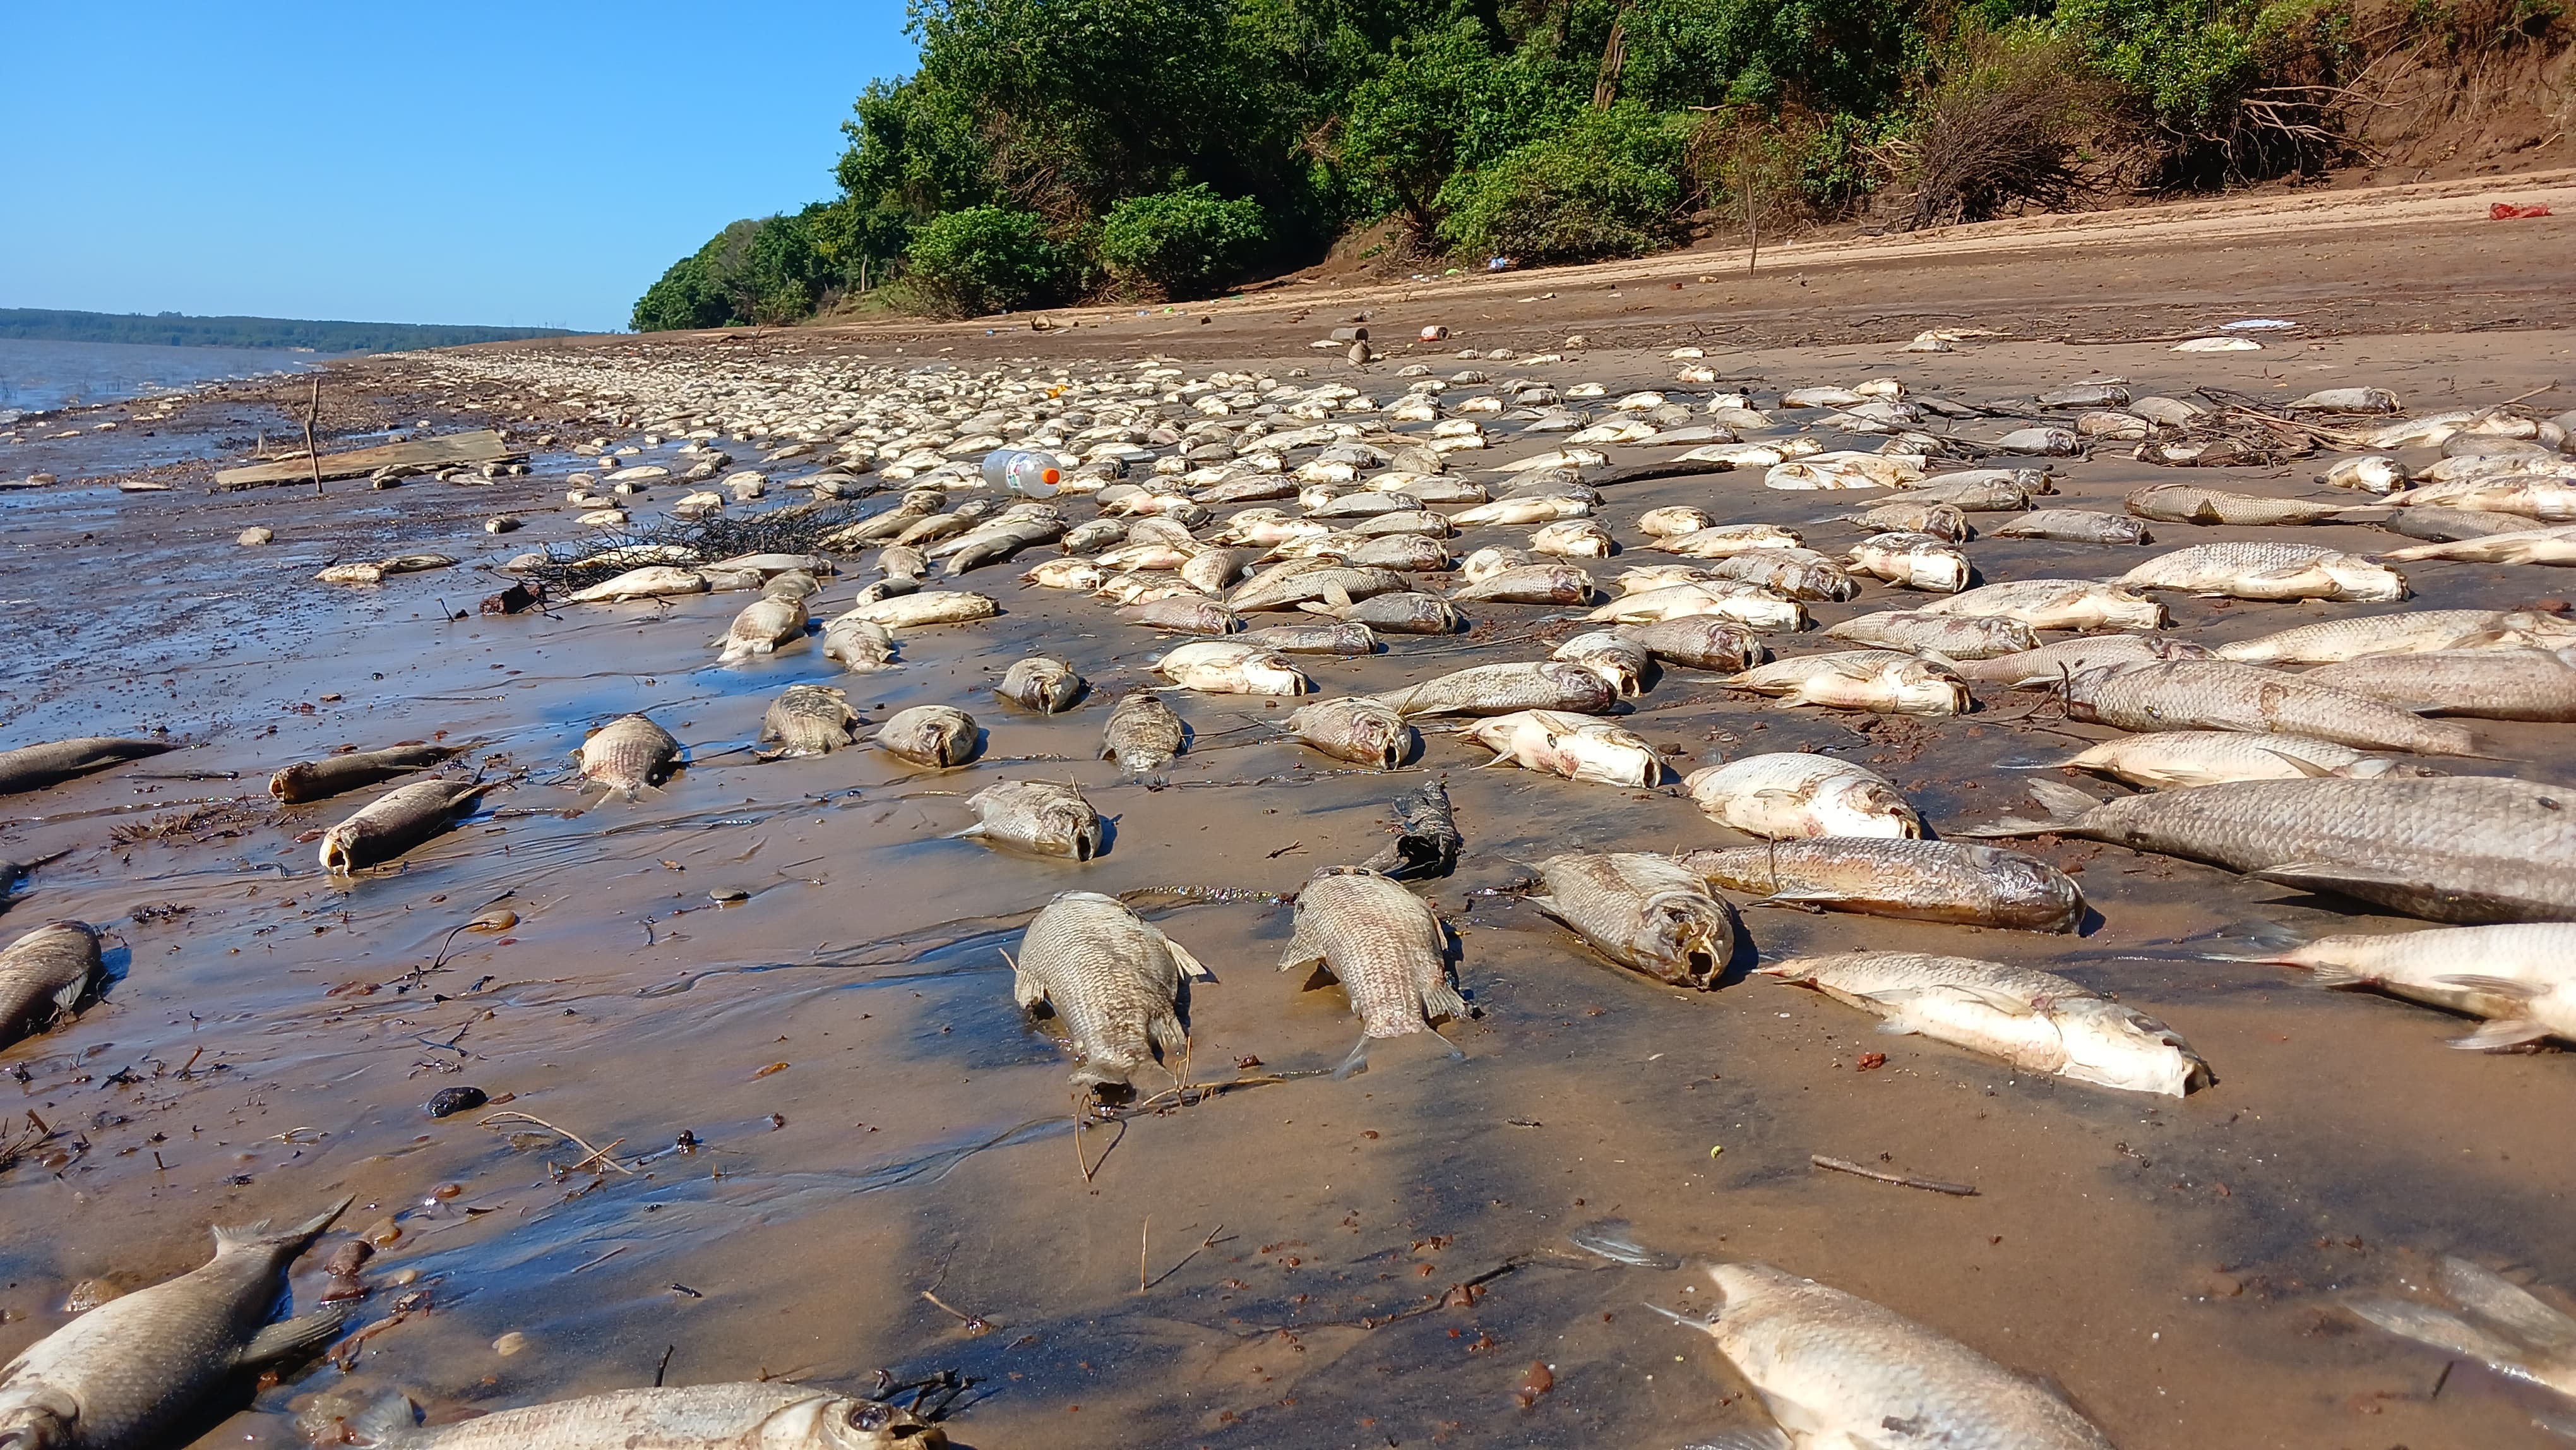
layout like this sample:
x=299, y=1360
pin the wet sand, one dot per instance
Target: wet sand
x=874, y=1118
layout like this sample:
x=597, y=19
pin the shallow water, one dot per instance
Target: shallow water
x=40, y=375
x=874, y=1119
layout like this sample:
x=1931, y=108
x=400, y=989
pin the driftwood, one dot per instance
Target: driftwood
x=484, y=447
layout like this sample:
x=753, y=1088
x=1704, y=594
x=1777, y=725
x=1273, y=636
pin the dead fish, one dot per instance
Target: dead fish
x=2346, y=400
x=1915, y=515
x=2498, y=1323
x=1116, y=982
x=1912, y=561
x=2489, y=684
x=1406, y=611
x=1798, y=574
x=1183, y=614
x=1886, y=681
x=2556, y=545
x=929, y=606
x=1983, y=490
x=628, y=754
x=1386, y=949
x=2546, y=500
x=1952, y=639
x=1426, y=841
x=1621, y=662
x=1345, y=637
x=1042, y=683
x=2450, y=848
x=1487, y=562
x=903, y=561
x=2055, y=604
x=1532, y=584
x=1840, y=469
x=1356, y=728
x=2036, y=1021
x=939, y=736
x=761, y=628
x=1527, y=509
x=1214, y=569
x=2074, y=526
x=1500, y=689
x=33, y=767
x=2421, y=631
x=809, y=720
x=313, y=780
x=2186, y=503
x=396, y=821
x=1041, y=817
x=2520, y=977
x=1725, y=541
x=2172, y=759
x=1791, y=794
x=862, y=646
x=1066, y=574
x=131, y=1370
x=1573, y=539
x=793, y=584
x=774, y=1414
x=1094, y=536
x=1143, y=736
x=1665, y=523
x=2370, y=473
x=1311, y=582
x=2224, y=695
x=1949, y=881
x=653, y=581
x=1577, y=747
x=1699, y=642
x=1230, y=667
x=1749, y=605
x=1836, y=1370
x=1643, y=911
x=2270, y=571
x=2441, y=525
x=2054, y=664
x=44, y=974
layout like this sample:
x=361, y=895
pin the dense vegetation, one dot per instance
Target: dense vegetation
x=1048, y=150
x=169, y=329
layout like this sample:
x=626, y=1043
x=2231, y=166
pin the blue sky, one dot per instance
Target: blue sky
x=526, y=164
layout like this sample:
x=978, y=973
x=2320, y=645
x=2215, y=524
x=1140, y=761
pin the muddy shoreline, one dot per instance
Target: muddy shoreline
x=1360, y=1263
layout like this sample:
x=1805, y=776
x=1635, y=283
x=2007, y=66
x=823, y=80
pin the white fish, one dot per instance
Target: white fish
x=1574, y=746
x=2169, y=759
x=1746, y=604
x=2055, y=604
x=1886, y=681
x=1229, y=667
x=2520, y=976
x=1791, y=794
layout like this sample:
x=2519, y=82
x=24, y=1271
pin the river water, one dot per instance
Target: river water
x=38, y=375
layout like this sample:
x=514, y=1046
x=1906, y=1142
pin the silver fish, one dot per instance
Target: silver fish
x=2167, y=759
x=1308, y=581
x=2055, y=604
x=1386, y=949
x=769, y=1414
x=1405, y=611
x=1143, y=736
x=33, y=767
x=127, y=1372
x=1532, y=584
x=629, y=754
x=313, y=780
x=1790, y=794
x=45, y=974
x=2269, y=571
x=396, y=821
x=1041, y=817
x=1950, y=881
x=2490, y=684
x=2223, y=695
x=1356, y=728
x=809, y=720
x=2419, y=631
x=1952, y=639
x=1699, y=642
x=1116, y=982
x=2189, y=503
x=2462, y=849
x=2037, y=1021
x=1342, y=638
x=761, y=627
x=1503, y=688
x=934, y=735
x=2498, y=1323
x=862, y=647
x=1183, y=614
x=2520, y=976
x=1621, y=662
x=2074, y=526
x=1642, y=911
x=1042, y=683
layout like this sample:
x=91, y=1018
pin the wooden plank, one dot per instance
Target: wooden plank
x=452, y=448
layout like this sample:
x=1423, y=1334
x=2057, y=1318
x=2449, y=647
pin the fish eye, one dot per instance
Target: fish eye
x=869, y=1415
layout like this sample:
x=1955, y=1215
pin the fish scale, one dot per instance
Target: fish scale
x=43, y=972
x=768, y=1415
x=629, y=753
x=1921, y=880
x=1382, y=944
x=1112, y=977
x=2221, y=695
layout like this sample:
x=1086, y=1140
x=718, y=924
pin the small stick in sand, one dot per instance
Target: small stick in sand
x=1928, y=1185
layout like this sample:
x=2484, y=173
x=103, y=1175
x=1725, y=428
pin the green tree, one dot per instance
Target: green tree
x=988, y=259
x=1179, y=242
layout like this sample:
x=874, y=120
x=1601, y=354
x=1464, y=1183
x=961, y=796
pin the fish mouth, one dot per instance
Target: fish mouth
x=335, y=858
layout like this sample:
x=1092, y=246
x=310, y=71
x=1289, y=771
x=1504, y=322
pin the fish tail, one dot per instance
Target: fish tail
x=260, y=1235
x=342, y=1416
x=2062, y=806
x=1356, y=1063
x=1615, y=1239
x=1441, y=1000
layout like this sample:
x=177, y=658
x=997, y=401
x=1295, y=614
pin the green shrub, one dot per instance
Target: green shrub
x=1609, y=185
x=1179, y=242
x=988, y=259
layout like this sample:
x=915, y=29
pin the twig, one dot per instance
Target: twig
x=1142, y=1234
x=600, y=1154
x=975, y=1323
x=1928, y=1185
x=1204, y=1245
x=313, y=451
x=658, y=1369
x=604, y=1258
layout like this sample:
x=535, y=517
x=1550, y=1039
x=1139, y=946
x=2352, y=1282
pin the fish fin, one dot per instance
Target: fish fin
x=2334, y=875
x=1442, y=1000
x=976, y=829
x=1191, y=967
x=260, y=1235
x=2490, y=1295
x=2322, y=976
x=2493, y=986
x=1336, y=596
x=1897, y=1026
x=2024, y=762
x=1456, y=1053
x=1299, y=951
x=1356, y=1063
x=2063, y=806
x=70, y=995
x=1169, y=1035
x=1750, y=1437
x=289, y=1338
x=2441, y=1329
x=2501, y=1033
x=379, y=1420
x=2307, y=768
x=1025, y=989
x=1614, y=1239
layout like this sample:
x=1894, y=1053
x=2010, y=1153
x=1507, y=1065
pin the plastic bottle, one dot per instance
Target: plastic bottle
x=1023, y=470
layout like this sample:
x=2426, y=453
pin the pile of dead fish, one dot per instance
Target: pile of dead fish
x=1257, y=521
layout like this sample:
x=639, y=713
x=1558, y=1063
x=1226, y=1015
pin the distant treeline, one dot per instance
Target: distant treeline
x=169, y=329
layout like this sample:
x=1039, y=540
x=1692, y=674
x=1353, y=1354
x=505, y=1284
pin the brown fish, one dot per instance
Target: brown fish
x=33, y=767
x=313, y=780
x=1143, y=736
x=398, y=820
x=1384, y=946
x=44, y=974
x=933, y=735
x=629, y=754
x=809, y=720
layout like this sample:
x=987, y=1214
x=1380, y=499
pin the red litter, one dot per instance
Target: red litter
x=2505, y=211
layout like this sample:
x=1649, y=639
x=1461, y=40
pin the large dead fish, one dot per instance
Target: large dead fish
x=2054, y=664
x=313, y=780
x=2520, y=546
x=1504, y=688
x=934, y=735
x=398, y=820
x=767, y=1414
x=2189, y=503
x=128, y=1372
x=2054, y=604
x=2490, y=684
x=2420, y=631
x=1577, y=747
x=2520, y=976
x=629, y=754
x=1143, y=736
x=2498, y=1323
x=1386, y=949
x=2450, y=848
x=33, y=767
x=45, y=974
x=1117, y=983
x=1042, y=683
x=1231, y=667
x=763, y=626
x=2037, y=1021
x=1356, y=728
x=1953, y=639
x=1642, y=911
x=1950, y=881
x=1789, y=794
x=1426, y=841
x=2177, y=759
x=2223, y=695
x=2270, y=571
x=1837, y=1372
x=1699, y=642
x=1887, y=681
x=808, y=720
x=1041, y=817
